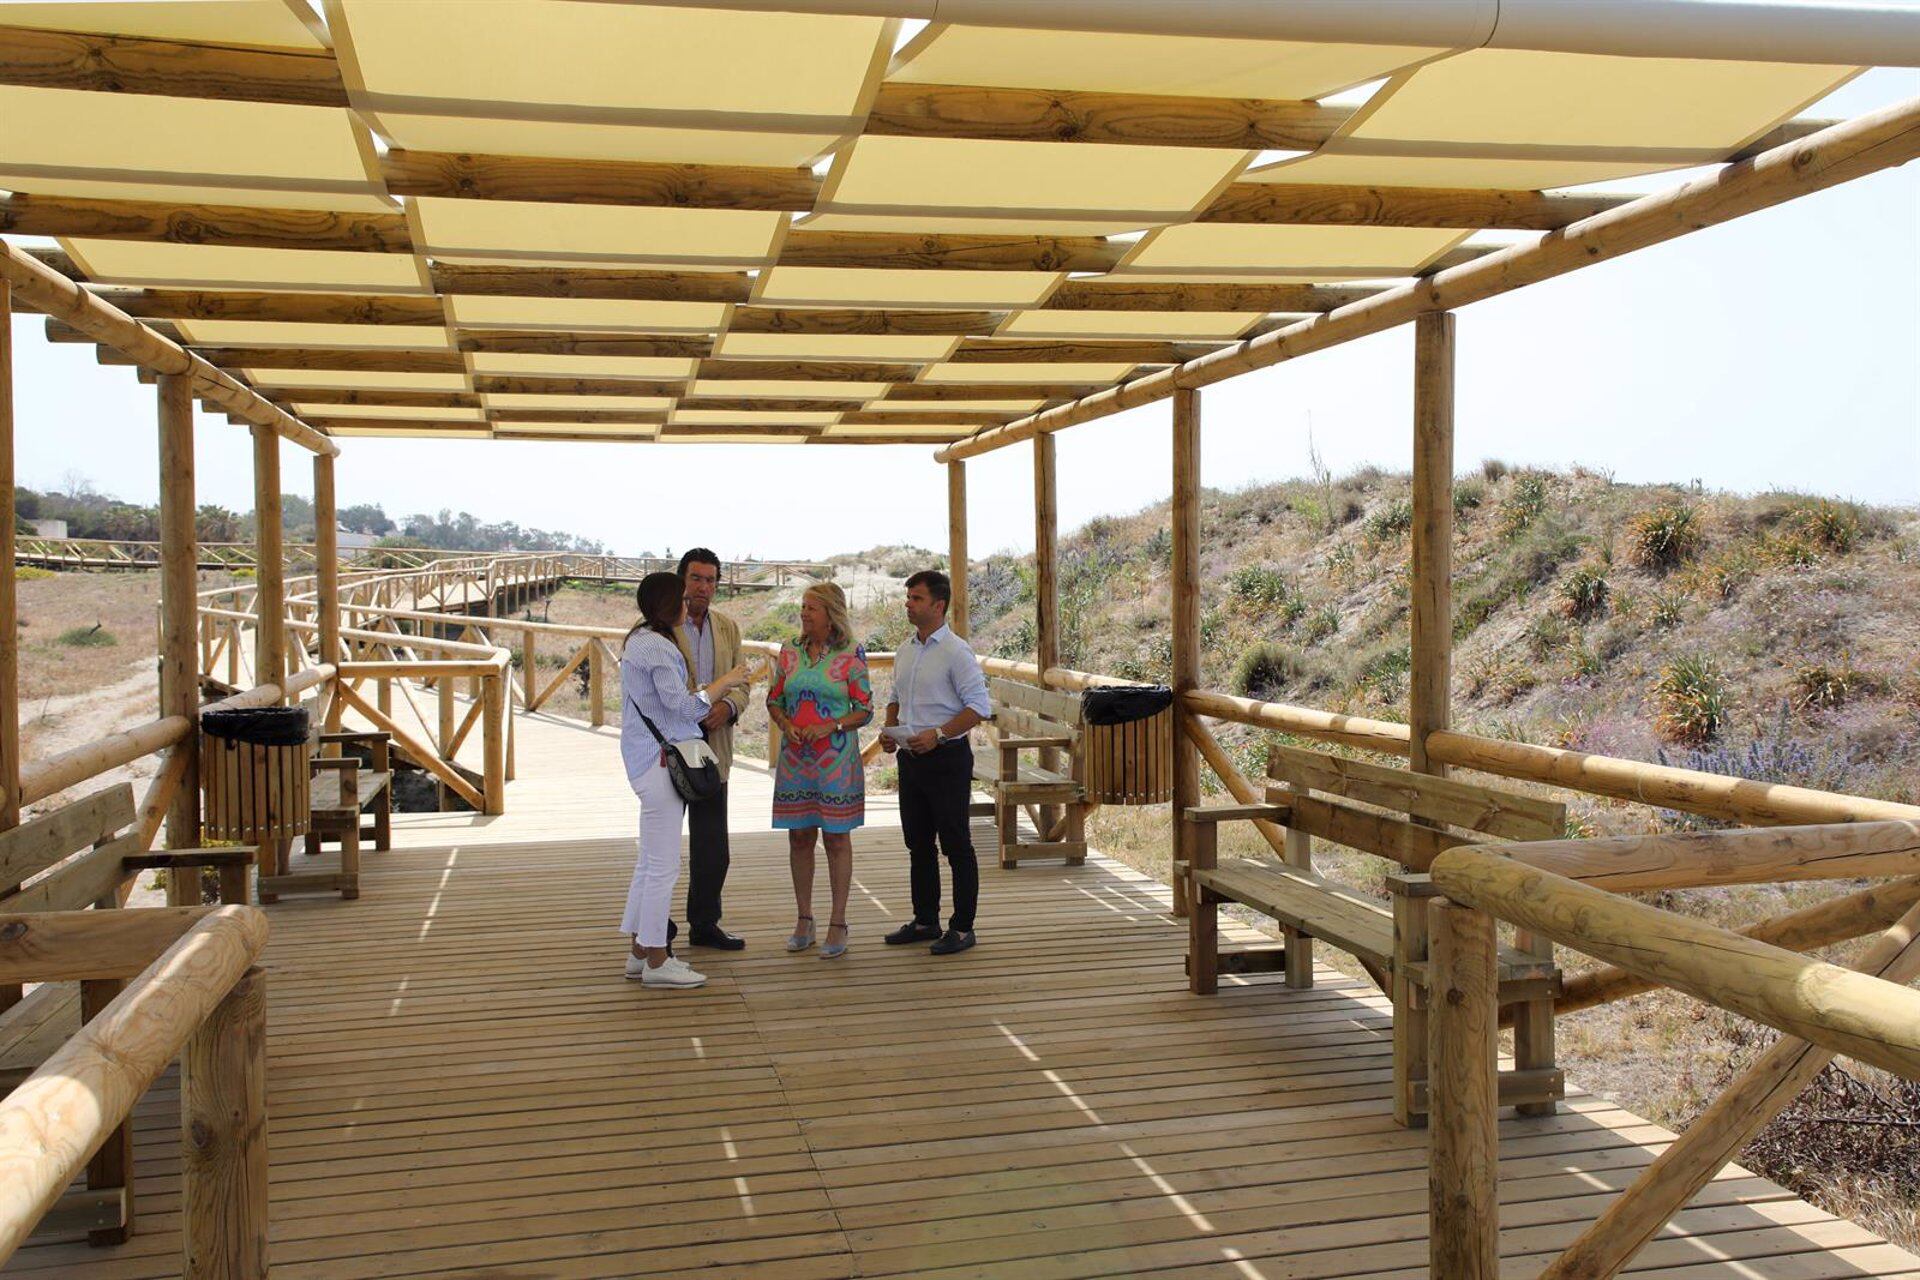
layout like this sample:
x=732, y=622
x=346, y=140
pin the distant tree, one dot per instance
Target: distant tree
x=26, y=504
x=216, y=524
x=368, y=518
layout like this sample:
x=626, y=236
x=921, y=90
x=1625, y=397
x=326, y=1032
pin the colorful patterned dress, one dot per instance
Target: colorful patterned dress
x=820, y=783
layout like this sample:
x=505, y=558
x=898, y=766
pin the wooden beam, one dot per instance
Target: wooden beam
x=933, y=392
x=740, y=428
x=577, y=343
x=168, y=68
x=1705, y=859
x=53, y=294
x=902, y=110
x=864, y=249
x=326, y=557
x=1184, y=589
x=1086, y=351
x=1430, y=682
x=755, y=404
x=957, y=546
x=1046, y=586
x=353, y=395
x=213, y=224
x=430, y=426
x=804, y=371
x=326, y=358
x=180, y=603
x=1317, y=204
x=863, y=320
x=1881, y=140
x=606, y=182
x=538, y=386
x=223, y=1137
x=960, y=418
x=1126, y=295
x=584, y=282
x=637, y=416
x=80, y=946
x=295, y=308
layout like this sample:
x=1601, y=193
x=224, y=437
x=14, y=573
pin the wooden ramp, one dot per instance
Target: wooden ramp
x=461, y=1083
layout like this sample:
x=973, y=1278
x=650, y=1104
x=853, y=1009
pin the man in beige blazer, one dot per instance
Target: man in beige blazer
x=710, y=642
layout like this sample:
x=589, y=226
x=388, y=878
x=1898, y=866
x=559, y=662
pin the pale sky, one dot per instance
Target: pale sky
x=1780, y=350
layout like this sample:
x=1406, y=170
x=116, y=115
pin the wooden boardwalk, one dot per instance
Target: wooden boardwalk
x=461, y=1083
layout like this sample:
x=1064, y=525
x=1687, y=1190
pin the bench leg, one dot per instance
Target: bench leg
x=312, y=841
x=1409, y=1022
x=1077, y=831
x=1007, y=819
x=112, y=1165
x=350, y=859
x=1533, y=1048
x=233, y=884
x=383, y=821
x=1203, y=915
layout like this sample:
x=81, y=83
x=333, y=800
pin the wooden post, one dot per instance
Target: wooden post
x=493, y=730
x=270, y=600
x=596, y=685
x=112, y=1165
x=1046, y=590
x=1430, y=680
x=957, y=545
x=179, y=613
x=1412, y=894
x=1186, y=619
x=223, y=1138
x=443, y=687
x=9, y=608
x=1463, y=1161
x=326, y=554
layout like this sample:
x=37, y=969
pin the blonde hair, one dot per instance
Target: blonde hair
x=834, y=601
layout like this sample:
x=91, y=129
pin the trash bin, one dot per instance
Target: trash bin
x=253, y=773
x=1127, y=739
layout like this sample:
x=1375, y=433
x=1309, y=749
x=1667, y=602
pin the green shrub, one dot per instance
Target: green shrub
x=1258, y=584
x=1820, y=687
x=1264, y=670
x=1584, y=662
x=1526, y=501
x=1583, y=595
x=1663, y=538
x=1498, y=677
x=1494, y=470
x=1834, y=526
x=94, y=637
x=1666, y=610
x=1547, y=634
x=1691, y=701
x=1384, y=673
x=31, y=573
x=1729, y=573
x=1468, y=495
x=1321, y=623
x=1390, y=522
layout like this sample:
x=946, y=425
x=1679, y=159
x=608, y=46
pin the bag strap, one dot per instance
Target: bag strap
x=654, y=729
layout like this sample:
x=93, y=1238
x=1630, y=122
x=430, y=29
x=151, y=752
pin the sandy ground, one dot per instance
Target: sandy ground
x=62, y=722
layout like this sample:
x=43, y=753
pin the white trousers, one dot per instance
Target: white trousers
x=650, y=896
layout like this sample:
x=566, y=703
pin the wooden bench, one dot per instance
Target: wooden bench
x=1027, y=718
x=1408, y=818
x=87, y=855
x=340, y=794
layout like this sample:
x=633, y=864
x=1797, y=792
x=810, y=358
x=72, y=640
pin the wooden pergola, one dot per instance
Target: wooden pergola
x=872, y=222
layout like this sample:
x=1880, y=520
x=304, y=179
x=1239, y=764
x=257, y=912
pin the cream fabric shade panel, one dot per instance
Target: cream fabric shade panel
x=1128, y=324
x=351, y=378
x=1320, y=252
x=190, y=150
x=273, y=23
x=632, y=430
x=1124, y=63
x=781, y=389
x=648, y=367
x=883, y=348
x=405, y=412
x=869, y=287
x=586, y=315
x=228, y=266
x=562, y=404
x=274, y=333
x=589, y=235
x=606, y=81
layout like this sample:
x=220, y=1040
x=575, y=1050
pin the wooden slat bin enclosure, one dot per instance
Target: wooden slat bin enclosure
x=256, y=792
x=1352, y=803
x=1046, y=721
x=1128, y=761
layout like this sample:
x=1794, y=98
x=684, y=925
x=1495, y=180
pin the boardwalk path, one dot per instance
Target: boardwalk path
x=462, y=1084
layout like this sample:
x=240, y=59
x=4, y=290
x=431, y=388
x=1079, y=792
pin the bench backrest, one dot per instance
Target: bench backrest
x=1484, y=812
x=93, y=824
x=1021, y=709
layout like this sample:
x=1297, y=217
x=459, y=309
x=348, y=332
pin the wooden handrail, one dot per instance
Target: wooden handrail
x=52, y=1123
x=1701, y=859
x=1865, y=1018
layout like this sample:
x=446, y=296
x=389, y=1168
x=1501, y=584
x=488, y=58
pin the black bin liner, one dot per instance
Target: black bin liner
x=260, y=726
x=1124, y=703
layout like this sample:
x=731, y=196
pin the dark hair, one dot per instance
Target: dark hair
x=659, y=598
x=699, y=555
x=936, y=584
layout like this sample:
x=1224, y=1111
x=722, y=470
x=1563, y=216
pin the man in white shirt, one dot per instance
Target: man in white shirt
x=939, y=693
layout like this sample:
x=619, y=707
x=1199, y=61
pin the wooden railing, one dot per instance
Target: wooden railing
x=201, y=1000
x=1568, y=891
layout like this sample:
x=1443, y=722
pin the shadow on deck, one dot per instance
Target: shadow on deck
x=461, y=1082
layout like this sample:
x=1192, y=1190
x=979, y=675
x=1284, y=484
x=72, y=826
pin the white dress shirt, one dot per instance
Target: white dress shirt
x=935, y=679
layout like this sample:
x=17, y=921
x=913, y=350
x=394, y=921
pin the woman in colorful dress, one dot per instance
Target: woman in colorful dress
x=819, y=699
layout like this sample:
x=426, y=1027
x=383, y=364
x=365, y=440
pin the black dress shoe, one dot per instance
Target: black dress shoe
x=952, y=941
x=912, y=931
x=715, y=937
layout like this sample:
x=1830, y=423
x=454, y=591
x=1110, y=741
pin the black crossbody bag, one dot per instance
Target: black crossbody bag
x=692, y=766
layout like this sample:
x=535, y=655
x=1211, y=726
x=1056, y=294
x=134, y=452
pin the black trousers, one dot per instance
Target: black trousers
x=707, y=860
x=935, y=790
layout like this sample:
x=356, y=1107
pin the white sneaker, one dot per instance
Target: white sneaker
x=671, y=972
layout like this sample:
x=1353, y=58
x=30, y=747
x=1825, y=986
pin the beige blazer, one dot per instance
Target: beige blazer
x=726, y=656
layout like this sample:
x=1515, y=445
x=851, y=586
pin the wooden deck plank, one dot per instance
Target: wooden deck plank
x=461, y=1082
